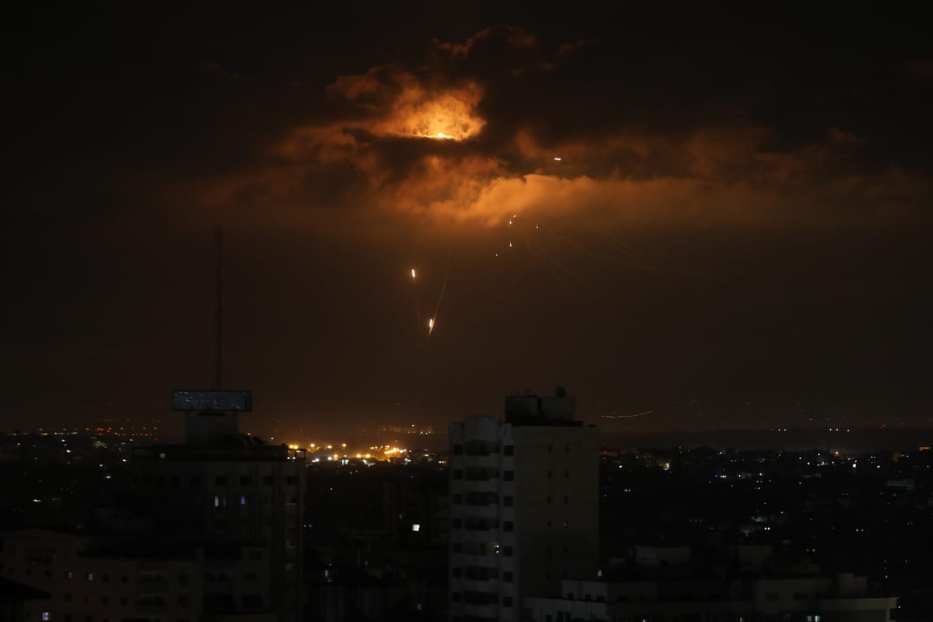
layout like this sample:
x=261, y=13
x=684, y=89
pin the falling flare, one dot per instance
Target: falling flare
x=414, y=274
x=430, y=325
x=510, y=244
x=558, y=159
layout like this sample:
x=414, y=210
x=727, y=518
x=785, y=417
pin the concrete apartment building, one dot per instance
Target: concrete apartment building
x=228, y=489
x=524, y=506
x=88, y=581
x=221, y=539
x=840, y=598
x=234, y=492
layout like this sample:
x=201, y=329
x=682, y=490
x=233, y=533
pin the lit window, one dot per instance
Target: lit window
x=45, y=616
x=416, y=527
x=242, y=499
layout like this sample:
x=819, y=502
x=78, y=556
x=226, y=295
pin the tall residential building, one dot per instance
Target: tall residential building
x=226, y=488
x=524, y=506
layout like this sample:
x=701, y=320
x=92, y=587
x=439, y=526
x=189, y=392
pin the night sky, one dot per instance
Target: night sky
x=717, y=215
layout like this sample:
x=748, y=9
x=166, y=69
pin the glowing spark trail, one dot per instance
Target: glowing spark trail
x=430, y=325
x=414, y=274
x=558, y=159
x=641, y=414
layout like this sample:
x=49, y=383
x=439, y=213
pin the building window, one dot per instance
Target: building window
x=509, y=450
x=565, y=524
x=458, y=499
x=507, y=576
x=456, y=523
x=567, y=449
x=566, y=472
x=456, y=474
x=508, y=526
x=104, y=600
x=124, y=601
x=550, y=448
x=566, y=499
x=507, y=601
x=291, y=480
x=245, y=480
x=507, y=551
x=268, y=480
x=456, y=572
x=220, y=480
x=105, y=578
x=458, y=450
x=508, y=475
x=549, y=474
x=548, y=500
x=508, y=501
x=89, y=576
x=457, y=547
x=455, y=597
x=67, y=597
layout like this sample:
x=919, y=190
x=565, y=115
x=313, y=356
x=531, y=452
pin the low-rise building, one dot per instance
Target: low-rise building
x=96, y=579
x=840, y=598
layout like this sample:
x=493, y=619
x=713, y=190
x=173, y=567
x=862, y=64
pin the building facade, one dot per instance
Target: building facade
x=88, y=581
x=234, y=491
x=840, y=598
x=524, y=506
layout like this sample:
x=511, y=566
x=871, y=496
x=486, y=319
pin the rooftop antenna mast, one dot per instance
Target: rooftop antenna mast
x=219, y=317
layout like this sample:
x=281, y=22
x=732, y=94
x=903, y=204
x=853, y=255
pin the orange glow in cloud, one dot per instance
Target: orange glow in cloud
x=408, y=107
x=447, y=115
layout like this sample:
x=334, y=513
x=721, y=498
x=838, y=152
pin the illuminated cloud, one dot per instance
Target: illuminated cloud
x=454, y=142
x=398, y=104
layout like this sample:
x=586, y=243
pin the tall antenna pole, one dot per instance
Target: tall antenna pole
x=219, y=319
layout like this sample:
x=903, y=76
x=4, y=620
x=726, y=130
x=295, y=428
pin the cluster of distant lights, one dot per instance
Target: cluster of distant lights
x=121, y=430
x=374, y=454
